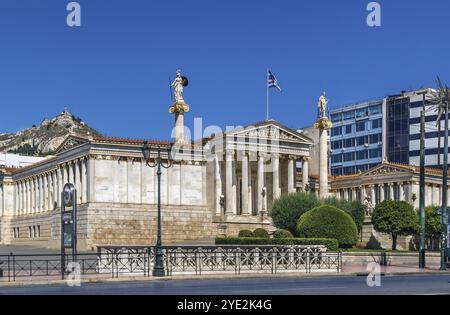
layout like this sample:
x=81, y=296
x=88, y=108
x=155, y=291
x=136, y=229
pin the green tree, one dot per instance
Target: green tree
x=328, y=222
x=396, y=218
x=288, y=208
x=433, y=225
x=354, y=208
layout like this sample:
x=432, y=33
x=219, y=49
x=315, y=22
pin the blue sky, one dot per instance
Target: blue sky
x=113, y=71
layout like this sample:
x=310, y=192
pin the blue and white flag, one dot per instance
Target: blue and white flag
x=272, y=81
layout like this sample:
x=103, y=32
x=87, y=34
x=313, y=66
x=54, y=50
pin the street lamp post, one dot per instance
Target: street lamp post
x=149, y=151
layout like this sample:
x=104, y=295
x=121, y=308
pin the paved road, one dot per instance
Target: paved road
x=410, y=284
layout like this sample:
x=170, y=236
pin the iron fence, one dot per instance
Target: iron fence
x=114, y=261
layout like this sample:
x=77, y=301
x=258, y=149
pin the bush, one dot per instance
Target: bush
x=328, y=222
x=330, y=244
x=280, y=233
x=245, y=233
x=354, y=208
x=433, y=227
x=289, y=207
x=261, y=233
x=395, y=218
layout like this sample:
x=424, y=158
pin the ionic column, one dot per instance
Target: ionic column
x=44, y=192
x=260, y=181
x=59, y=185
x=291, y=176
x=34, y=196
x=41, y=193
x=55, y=188
x=276, y=176
x=229, y=181
x=77, y=181
x=401, y=192
x=305, y=172
x=70, y=173
x=428, y=195
x=362, y=193
x=27, y=203
x=353, y=193
x=218, y=186
x=382, y=194
x=83, y=181
x=372, y=194
x=245, y=180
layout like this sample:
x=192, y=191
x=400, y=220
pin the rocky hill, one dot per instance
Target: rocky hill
x=45, y=138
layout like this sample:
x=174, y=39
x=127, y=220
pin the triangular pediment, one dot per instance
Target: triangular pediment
x=71, y=142
x=387, y=168
x=270, y=130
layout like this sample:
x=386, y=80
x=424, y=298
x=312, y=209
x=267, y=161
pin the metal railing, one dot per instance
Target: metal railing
x=113, y=261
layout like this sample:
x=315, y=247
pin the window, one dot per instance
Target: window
x=349, y=115
x=335, y=145
x=336, y=117
x=375, y=153
x=361, y=140
x=349, y=170
x=348, y=129
x=360, y=126
x=336, y=131
x=376, y=123
x=376, y=138
x=349, y=143
x=362, y=112
x=374, y=110
x=349, y=156
x=362, y=155
x=336, y=158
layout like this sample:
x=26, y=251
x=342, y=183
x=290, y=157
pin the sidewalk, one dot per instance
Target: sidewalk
x=96, y=278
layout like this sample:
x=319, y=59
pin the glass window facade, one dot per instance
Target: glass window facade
x=356, y=138
x=398, y=130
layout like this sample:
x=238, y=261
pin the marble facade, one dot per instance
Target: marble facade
x=216, y=186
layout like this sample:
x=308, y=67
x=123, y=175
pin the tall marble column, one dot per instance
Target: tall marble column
x=245, y=180
x=218, y=184
x=372, y=194
x=276, y=176
x=83, y=181
x=229, y=181
x=382, y=193
x=401, y=191
x=44, y=193
x=291, y=175
x=78, y=181
x=305, y=172
x=260, y=181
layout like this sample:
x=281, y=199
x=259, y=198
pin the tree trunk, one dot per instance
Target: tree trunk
x=394, y=242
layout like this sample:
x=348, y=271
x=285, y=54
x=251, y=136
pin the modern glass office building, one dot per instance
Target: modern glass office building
x=356, y=137
x=365, y=133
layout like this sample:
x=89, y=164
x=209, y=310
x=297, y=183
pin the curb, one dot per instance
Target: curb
x=222, y=277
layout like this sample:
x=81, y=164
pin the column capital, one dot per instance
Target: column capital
x=306, y=158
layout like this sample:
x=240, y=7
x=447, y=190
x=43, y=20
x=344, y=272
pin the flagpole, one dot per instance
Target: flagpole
x=267, y=96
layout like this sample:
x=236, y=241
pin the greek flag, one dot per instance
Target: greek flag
x=272, y=81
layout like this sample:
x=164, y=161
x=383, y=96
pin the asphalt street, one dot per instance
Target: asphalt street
x=404, y=284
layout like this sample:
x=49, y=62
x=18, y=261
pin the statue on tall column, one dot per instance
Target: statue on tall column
x=178, y=85
x=322, y=105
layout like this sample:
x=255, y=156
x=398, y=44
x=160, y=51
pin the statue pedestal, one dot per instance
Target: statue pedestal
x=178, y=108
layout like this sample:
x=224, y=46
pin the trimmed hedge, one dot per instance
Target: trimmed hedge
x=245, y=233
x=329, y=222
x=282, y=234
x=330, y=244
x=261, y=233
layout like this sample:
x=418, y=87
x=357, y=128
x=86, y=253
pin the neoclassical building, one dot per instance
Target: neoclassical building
x=392, y=181
x=215, y=186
